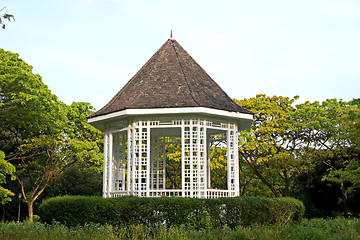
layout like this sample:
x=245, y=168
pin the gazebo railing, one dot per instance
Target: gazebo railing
x=210, y=193
x=118, y=194
x=217, y=193
x=166, y=193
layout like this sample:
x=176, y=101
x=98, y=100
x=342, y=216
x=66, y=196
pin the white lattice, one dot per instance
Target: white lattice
x=119, y=161
x=135, y=161
x=231, y=162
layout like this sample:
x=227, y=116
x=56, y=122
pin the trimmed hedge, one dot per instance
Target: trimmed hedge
x=173, y=211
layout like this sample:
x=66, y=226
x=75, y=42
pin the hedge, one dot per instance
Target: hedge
x=173, y=211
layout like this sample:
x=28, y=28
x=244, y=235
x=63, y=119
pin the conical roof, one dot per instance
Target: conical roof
x=170, y=79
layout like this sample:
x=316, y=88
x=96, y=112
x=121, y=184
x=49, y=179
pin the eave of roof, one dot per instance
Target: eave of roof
x=243, y=120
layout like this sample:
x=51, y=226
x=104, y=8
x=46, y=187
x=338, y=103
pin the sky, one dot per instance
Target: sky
x=86, y=50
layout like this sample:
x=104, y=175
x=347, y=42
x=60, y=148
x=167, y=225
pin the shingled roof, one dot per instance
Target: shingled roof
x=170, y=79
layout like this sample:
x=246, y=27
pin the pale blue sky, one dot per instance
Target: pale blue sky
x=86, y=50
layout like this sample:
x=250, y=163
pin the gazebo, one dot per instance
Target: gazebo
x=171, y=102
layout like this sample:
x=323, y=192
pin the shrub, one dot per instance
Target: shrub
x=154, y=212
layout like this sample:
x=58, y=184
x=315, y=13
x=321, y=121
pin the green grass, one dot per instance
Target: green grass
x=307, y=229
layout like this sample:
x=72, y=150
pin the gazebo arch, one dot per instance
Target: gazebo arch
x=170, y=101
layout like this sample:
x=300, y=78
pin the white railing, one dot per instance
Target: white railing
x=210, y=193
x=217, y=193
x=118, y=194
x=166, y=193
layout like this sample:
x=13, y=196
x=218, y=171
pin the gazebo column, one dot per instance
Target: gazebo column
x=108, y=165
x=130, y=162
x=193, y=159
x=236, y=153
x=231, y=159
x=105, y=166
x=208, y=161
x=202, y=160
x=146, y=138
x=139, y=158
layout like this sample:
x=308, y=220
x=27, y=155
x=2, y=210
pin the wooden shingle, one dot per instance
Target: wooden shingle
x=170, y=79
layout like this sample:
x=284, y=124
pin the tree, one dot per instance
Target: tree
x=332, y=128
x=77, y=179
x=5, y=169
x=27, y=107
x=5, y=16
x=41, y=135
x=273, y=147
x=43, y=158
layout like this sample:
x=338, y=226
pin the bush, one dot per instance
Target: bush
x=154, y=212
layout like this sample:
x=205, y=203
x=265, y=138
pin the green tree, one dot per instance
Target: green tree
x=273, y=147
x=41, y=135
x=332, y=129
x=28, y=109
x=77, y=179
x=43, y=158
x=5, y=169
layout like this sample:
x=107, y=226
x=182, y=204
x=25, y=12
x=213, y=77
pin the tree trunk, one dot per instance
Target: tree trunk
x=345, y=199
x=30, y=209
x=262, y=178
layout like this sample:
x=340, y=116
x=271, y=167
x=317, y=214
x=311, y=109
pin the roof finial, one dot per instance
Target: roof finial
x=171, y=35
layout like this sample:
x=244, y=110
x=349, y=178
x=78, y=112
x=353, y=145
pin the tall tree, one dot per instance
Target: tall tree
x=332, y=129
x=6, y=169
x=272, y=148
x=27, y=107
x=41, y=135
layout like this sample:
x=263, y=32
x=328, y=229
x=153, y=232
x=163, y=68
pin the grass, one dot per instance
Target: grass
x=307, y=229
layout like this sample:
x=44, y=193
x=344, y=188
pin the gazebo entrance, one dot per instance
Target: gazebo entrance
x=137, y=156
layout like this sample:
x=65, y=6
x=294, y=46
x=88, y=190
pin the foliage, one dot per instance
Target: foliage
x=272, y=149
x=78, y=179
x=39, y=231
x=331, y=129
x=198, y=213
x=173, y=163
x=5, y=169
x=218, y=162
x=321, y=229
x=27, y=107
x=288, y=140
x=5, y=16
x=218, y=167
x=41, y=135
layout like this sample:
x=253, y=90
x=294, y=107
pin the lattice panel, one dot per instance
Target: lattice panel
x=119, y=161
x=187, y=158
x=202, y=161
x=158, y=157
x=236, y=158
x=194, y=159
x=231, y=161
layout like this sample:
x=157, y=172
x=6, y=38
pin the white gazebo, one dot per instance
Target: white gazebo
x=170, y=103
